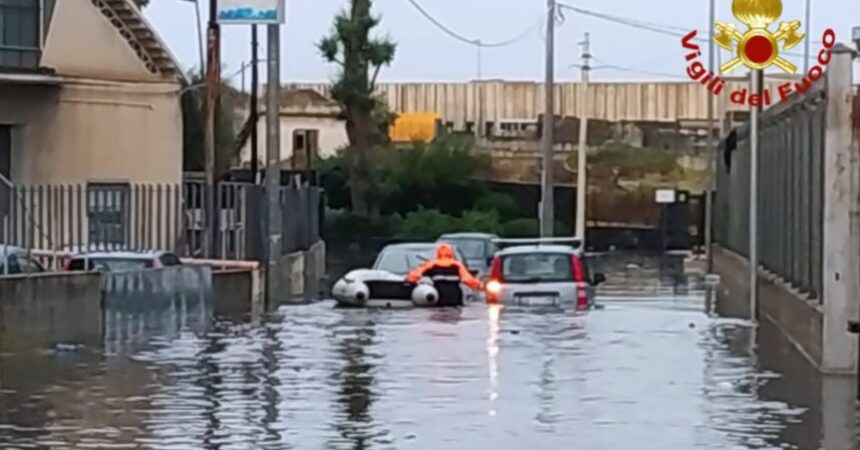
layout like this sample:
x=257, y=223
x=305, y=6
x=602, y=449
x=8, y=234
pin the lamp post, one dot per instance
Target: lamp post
x=200, y=45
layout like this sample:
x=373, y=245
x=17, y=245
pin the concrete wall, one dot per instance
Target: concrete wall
x=480, y=101
x=237, y=293
x=81, y=40
x=301, y=274
x=43, y=310
x=801, y=321
x=87, y=131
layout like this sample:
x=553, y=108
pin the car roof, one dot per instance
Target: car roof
x=11, y=249
x=418, y=246
x=468, y=236
x=528, y=249
x=123, y=255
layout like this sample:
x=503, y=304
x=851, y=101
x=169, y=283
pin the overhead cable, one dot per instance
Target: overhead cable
x=475, y=42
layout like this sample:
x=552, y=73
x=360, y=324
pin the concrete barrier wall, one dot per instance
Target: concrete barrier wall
x=45, y=310
x=798, y=319
x=301, y=273
x=237, y=293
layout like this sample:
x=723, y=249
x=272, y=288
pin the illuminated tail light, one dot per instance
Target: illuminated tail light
x=494, y=285
x=579, y=279
x=581, y=296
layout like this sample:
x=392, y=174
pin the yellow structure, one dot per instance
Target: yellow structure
x=412, y=127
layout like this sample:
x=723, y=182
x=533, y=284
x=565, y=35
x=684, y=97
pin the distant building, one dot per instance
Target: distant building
x=311, y=124
x=88, y=94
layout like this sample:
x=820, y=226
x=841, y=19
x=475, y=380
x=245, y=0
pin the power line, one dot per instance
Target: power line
x=631, y=70
x=649, y=26
x=475, y=42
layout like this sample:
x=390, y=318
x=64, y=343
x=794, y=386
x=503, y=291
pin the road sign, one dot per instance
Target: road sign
x=244, y=12
x=665, y=196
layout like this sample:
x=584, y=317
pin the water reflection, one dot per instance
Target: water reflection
x=650, y=371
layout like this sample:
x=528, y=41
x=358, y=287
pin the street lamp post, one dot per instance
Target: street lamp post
x=200, y=45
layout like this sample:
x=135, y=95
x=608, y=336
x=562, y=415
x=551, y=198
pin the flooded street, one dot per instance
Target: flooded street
x=653, y=369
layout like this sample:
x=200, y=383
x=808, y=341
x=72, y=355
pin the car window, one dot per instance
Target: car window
x=170, y=260
x=394, y=261
x=470, y=248
x=77, y=265
x=537, y=267
x=28, y=265
x=11, y=267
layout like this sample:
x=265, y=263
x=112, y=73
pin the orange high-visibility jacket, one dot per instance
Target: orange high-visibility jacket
x=445, y=259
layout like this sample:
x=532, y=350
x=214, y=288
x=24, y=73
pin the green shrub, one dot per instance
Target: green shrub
x=427, y=225
x=480, y=222
x=504, y=205
x=345, y=225
x=521, y=228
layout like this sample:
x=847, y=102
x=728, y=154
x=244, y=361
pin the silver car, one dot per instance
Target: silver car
x=542, y=275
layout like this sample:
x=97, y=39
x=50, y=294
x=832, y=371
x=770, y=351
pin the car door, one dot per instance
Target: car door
x=28, y=265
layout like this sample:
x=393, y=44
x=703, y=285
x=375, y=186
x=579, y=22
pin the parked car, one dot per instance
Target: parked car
x=478, y=248
x=385, y=285
x=121, y=261
x=542, y=272
x=17, y=261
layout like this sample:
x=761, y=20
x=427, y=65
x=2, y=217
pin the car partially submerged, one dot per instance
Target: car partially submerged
x=121, y=261
x=543, y=272
x=385, y=285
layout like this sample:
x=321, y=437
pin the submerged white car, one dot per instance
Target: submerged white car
x=385, y=285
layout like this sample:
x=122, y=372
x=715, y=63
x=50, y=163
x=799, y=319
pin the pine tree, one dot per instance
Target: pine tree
x=360, y=58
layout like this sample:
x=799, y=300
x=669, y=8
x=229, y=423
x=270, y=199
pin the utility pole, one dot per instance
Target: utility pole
x=808, y=36
x=582, y=150
x=273, y=166
x=547, y=216
x=479, y=94
x=756, y=78
x=255, y=116
x=213, y=98
x=712, y=151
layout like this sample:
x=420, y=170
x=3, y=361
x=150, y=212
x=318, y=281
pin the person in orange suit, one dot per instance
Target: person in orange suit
x=447, y=273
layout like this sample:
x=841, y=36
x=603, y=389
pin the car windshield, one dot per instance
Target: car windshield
x=471, y=248
x=401, y=261
x=537, y=267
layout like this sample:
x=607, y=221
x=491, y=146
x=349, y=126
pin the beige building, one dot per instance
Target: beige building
x=310, y=124
x=88, y=94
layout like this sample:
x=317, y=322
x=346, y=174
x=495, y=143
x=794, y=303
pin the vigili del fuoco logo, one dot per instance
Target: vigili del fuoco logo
x=757, y=48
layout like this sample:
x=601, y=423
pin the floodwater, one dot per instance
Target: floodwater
x=653, y=369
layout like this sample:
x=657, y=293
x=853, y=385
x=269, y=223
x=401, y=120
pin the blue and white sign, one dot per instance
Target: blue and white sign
x=250, y=11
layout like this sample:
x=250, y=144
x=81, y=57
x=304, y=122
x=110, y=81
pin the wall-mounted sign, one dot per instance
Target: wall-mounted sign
x=665, y=196
x=244, y=12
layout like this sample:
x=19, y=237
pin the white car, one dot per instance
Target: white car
x=541, y=272
x=385, y=285
x=121, y=261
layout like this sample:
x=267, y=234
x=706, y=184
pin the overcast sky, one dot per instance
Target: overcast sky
x=424, y=53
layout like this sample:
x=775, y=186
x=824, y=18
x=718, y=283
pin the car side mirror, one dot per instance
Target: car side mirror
x=599, y=278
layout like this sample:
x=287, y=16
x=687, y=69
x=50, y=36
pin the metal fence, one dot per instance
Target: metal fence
x=170, y=217
x=790, y=186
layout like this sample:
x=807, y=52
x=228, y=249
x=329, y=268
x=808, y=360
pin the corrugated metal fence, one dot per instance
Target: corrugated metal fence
x=171, y=217
x=791, y=173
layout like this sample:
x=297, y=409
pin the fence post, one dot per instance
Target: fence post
x=841, y=287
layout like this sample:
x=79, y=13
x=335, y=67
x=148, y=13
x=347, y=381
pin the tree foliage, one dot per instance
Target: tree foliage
x=194, y=126
x=360, y=58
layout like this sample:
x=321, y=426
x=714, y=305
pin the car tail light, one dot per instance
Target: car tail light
x=579, y=279
x=494, y=285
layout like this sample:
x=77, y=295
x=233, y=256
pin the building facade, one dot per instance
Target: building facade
x=88, y=94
